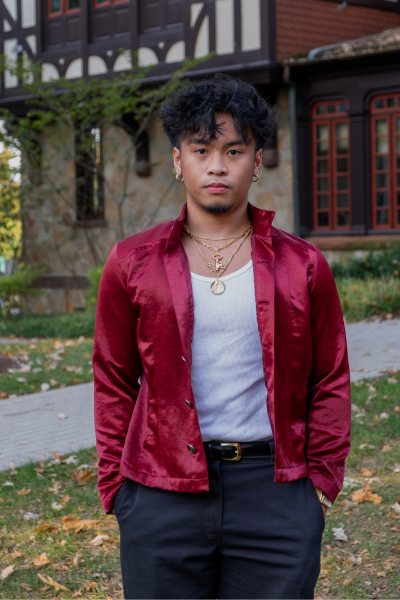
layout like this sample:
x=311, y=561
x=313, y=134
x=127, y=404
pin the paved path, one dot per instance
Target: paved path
x=30, y=426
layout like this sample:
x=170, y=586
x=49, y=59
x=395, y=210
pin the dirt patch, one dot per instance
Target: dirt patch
x=8, y=363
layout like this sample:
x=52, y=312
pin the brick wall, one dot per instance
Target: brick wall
x=306, y=24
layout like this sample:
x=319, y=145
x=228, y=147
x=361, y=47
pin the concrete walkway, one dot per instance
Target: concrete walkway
x=30, y=426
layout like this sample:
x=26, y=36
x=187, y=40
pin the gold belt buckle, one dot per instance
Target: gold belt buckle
x=238, y=450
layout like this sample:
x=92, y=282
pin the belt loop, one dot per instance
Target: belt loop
x=272, y=446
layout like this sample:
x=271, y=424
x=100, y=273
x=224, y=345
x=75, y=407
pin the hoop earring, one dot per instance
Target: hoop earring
x=256, y=179
x=177, y=178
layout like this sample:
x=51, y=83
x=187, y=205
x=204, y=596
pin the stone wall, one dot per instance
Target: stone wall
x=51, y=235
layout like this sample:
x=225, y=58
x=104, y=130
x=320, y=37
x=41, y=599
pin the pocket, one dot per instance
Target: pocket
x=319, y=505
x=118, y=496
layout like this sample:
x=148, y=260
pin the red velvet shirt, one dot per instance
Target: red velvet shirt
x=142, y=362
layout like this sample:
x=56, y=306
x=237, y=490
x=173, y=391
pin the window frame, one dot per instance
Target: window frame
x=64, y=10
x=108, y=3
x=330, y=120
x=390, y=114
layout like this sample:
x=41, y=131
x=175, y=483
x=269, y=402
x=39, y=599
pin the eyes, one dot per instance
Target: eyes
x=232, y=152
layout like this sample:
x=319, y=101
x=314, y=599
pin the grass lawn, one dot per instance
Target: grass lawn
x=46, y=554
x=44, y=364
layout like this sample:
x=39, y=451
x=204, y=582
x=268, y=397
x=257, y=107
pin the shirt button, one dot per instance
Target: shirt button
x=189, y=403
x=183, y=358
x=191, y=449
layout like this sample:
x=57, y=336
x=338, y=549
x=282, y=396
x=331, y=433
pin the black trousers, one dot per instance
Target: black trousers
x=248, y=537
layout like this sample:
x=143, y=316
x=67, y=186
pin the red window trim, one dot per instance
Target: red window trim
x=390, y=114
x=70, y=11
x=64, y=9
x=108, y=3
x=331, y=120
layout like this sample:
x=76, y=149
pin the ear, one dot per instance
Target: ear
x=258, y=162
x=177, y=161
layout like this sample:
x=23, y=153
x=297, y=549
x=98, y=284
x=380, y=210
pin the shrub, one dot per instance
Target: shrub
x=365, y=298
x=382, y=263
x=64, y=326
x=94, y=277
x=16, y=286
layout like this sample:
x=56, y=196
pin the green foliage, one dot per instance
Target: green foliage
x=364, y=298
x=382, y=263
x=17, y=286
x=10, y=218
x=63, y=326
x=94, y=276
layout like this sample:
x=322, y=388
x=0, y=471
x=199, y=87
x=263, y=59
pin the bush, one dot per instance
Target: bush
x=364, y=298
x=16, y=286
x=94, y=277
x=64, y=326
x=382, y=263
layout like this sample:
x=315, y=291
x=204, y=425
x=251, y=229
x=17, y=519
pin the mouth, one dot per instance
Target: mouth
x=216, y=188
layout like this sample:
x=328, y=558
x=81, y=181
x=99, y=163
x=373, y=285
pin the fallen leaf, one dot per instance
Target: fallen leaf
x=48, y=527
x=365, y=495
x=56, y=506
x=62, y=416
x=386, y=448
x=90, y=585
x=6, y=572
x=65, y=500
x=76, y=559
x=49, y=581
x=24, y=492
x=392, y=380
x=41, y=559
x=82, y=477
x=57, y=456
x=381, y=574
x=347, y=581
x=71, y=460
x=16, y=554
x=339, y=534
x=99, y=539
x=53, y=382
x=21, y=379
x=367, y=472
x=45, y=387
x=8, y=484
x=29, y=516
x=2, y=500
x=397, y=409
x=396, y=508
x=56, y=489
x=78, y=524
x=63, y=542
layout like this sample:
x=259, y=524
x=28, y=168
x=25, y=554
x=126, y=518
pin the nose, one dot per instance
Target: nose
x=216, y=164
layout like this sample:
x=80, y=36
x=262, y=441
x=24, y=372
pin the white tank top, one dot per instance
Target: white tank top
x=227, y=373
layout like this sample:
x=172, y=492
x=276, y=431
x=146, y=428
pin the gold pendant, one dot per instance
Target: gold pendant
x=217, y=257
x=217, y=287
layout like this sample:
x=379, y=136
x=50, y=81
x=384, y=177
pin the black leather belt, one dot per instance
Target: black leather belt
x=236, y=450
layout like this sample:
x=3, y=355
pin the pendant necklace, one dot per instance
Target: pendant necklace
x=217, y=286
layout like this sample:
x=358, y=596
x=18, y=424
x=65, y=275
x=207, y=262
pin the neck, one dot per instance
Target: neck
x=201, y=223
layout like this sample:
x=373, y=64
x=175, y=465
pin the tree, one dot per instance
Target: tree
x=10, y=218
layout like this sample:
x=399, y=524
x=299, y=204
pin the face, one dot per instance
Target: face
x=217, y=173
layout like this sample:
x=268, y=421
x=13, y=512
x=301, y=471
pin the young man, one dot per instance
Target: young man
x=222, y=397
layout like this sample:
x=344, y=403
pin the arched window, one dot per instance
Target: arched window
x=385, y=155
x=331, y=165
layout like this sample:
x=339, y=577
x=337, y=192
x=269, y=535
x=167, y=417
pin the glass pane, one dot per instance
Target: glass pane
x=397, y=162
x=382, y=217
x=342, y=183
x=323, y=219
x=381, y=126
x=398, y=217
x=382, y=199
x=398, y=180
x=398, y=143
x=391, y=102
x=342, y=107
x=322, y=167
x=320, y=110
x=323, y=201
x=322, y=149
x=341, y=165
x=381, y=163
x=74, y=4
x=398, y=198
x=381, y=180
x=397, y=121
x=381, y=145
x=331, y=108
x=342, y=200
x=322, y=184
x=342, y=147
x=342, y=218
x=55, y=6
x=378, y=104
x=322, y=132
x=101, y=2
x=342, y=130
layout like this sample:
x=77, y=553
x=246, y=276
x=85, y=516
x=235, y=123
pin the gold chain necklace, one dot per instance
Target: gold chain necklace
x=217, y=249
x=217, y=286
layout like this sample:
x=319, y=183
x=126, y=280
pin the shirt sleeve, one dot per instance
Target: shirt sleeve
x=328, y=390
x=116, y=369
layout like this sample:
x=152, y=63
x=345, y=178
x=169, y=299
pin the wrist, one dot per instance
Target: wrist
x=323, y=498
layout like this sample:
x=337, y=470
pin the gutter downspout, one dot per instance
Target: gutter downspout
x=293, y=130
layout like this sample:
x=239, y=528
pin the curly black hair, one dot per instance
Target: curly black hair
x=186, y=113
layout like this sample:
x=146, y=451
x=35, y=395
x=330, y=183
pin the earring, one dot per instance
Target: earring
x=256, y=179
x=177, y=177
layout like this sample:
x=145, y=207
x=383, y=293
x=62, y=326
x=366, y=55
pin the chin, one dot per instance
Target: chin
x=217, y=207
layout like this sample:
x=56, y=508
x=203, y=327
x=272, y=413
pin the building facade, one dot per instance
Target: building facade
x=317, y=170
